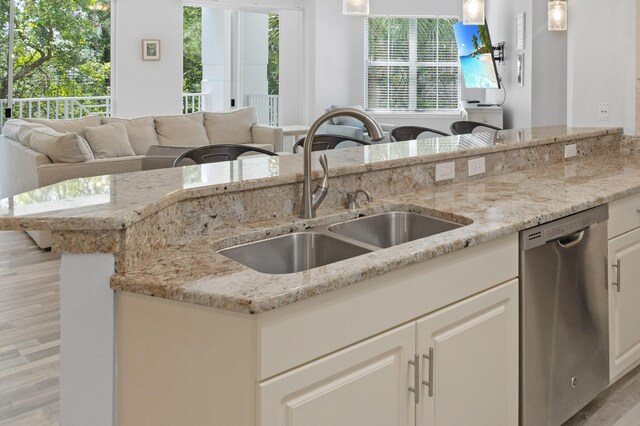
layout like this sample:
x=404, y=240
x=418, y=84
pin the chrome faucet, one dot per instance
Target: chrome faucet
x=352, y=198
x=312, y=200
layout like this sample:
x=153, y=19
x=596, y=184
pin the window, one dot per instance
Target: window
x=62, y=58
x=411, y=64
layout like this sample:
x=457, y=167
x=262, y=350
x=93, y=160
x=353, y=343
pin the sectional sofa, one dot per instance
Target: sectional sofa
x=39, y=152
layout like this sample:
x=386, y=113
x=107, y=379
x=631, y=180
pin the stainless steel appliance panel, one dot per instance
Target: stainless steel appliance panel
x=564, y=358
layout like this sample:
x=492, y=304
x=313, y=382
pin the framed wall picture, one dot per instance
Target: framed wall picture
x=150, y=50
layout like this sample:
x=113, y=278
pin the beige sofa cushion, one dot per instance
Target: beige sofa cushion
x=109, y=141
x=230, y=127
x=77, y=125
x=19, y=130
x=181, y=130
x=141, y=132
x=60, y=147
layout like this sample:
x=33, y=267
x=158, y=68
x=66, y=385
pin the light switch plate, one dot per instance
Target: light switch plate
x=445, y=171
x=477, y=166
x=570, y=151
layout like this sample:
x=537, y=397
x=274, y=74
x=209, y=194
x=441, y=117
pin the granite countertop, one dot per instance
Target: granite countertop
x=118, y=201
x=188, y=267
x=192, y=271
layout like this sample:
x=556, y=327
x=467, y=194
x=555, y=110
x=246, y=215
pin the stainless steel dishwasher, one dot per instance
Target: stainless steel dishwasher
x=564, y=332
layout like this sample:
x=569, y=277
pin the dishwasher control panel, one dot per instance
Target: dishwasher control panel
x=541, y=234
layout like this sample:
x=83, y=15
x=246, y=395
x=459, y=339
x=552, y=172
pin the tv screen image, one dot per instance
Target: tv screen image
x=476, y=56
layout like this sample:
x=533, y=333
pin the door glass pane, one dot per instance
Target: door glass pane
x=192, y=60
x=260, y=65
x=231, y=59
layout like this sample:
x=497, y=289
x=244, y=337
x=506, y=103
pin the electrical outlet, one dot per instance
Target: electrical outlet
x=570, y=151
x=445, y=171
x=603, y=111
x=477, y=166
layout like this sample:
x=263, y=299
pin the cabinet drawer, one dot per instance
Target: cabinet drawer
x=624, y=215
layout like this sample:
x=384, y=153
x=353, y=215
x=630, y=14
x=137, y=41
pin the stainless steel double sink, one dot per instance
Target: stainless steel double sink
x=302, y=251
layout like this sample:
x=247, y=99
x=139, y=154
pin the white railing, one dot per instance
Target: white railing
x=58, y=108
x=267, y=108
x=192, y=102
x=76, y=107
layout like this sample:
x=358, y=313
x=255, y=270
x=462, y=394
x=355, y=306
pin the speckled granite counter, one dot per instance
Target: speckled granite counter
x=186, y=266
x=500, y=205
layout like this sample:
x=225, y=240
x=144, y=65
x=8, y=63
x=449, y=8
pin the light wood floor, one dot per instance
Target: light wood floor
x=29, y=333
x=30, y=351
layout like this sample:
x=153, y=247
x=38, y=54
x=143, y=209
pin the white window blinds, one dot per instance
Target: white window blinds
x=411, y=64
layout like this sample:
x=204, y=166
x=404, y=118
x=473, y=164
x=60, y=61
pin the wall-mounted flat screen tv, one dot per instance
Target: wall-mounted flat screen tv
x=476, y=56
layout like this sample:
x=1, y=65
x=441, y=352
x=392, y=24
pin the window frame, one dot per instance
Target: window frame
x=412, y=64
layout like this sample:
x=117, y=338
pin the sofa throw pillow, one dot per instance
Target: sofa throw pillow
x=14, y=127
x=347, y=121
x=230, y=127
x=141, y=132
x=77, y=125
x=60, y=147
x=109, y=141
x=181, y=130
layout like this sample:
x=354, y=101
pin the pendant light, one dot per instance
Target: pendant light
x=558, y=15
x=473, y=12
x=355, y=7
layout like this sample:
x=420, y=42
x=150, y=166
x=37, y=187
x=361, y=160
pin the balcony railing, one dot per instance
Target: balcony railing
x=58, y=108
x=192, y=102
x=267, y=108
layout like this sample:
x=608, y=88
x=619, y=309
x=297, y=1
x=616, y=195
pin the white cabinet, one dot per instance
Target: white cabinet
x=624, y=300
x=492, y=115
x=473, y=366
x=363, y=385
x=338, y=358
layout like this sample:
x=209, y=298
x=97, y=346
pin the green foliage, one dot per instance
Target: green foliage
x=192, y=54
x=273, y=67
x=62, y=48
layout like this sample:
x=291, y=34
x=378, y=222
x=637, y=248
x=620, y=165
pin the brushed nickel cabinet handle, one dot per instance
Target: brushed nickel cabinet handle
x=429, y=383
x=618, y=282
x=416, y=378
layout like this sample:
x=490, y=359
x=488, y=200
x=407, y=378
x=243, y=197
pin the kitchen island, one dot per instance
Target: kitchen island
x=199, y=336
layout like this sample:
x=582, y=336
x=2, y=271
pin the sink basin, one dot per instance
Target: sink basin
x=392, y=228
x=293, y=252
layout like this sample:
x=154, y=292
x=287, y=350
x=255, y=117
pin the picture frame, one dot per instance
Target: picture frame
x=150, y=50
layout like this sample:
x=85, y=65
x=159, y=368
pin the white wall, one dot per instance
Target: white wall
x=141, y=88
x=601, y=67
x=146, y=87
x=328, y=58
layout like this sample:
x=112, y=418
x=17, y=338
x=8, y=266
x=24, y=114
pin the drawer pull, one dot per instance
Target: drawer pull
x=429, y=383
x=618, y=283
x=416, y=378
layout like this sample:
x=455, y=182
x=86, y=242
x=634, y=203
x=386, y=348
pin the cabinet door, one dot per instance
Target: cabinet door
x=364, y=385
x=473, y=367
x=624, y=299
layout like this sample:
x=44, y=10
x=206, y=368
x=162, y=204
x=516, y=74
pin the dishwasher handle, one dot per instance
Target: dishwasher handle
x=572, y=240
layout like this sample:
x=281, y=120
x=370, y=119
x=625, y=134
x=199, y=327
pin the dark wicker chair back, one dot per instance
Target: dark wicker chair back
x=409, y=133
x=324, y=142
x=218, y=153
x=466, y=127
